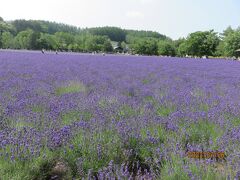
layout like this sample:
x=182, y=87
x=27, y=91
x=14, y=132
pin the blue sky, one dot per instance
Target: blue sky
x=174, y=18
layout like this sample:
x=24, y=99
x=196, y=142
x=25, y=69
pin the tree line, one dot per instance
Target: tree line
x=36, y=35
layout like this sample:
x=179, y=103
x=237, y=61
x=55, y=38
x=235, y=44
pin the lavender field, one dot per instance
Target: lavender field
x=74, y=116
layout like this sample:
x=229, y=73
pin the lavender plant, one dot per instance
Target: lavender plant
x=75, y=116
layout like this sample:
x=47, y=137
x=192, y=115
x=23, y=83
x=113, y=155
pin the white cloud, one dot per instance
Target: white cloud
x=134, y=14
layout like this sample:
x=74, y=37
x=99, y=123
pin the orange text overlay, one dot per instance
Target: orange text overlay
x=205, y=155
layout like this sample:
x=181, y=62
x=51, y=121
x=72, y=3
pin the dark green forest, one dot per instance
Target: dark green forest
x=38, y=34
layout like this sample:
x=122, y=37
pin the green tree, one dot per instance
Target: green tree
x=92, y=44
x=200, y=43
x=227, y=31
x=183, y=49
x=7, y=40
x=107, y=46
x=47, y=41
x=33, y=42
x=5, y=27
x=80, y=40
x=63, y=40
x=231, y=43
x=166, y=48
x=23, y=39
x=146, y=34
x=124, y=46
x=73, y=47
x=146, y=46
x=98, y=43
x=113, y=33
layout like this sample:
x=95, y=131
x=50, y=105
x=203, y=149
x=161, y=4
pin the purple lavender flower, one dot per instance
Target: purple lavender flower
x=163, y=98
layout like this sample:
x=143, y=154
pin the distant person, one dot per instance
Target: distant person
x=43, y=51
x=56, y=52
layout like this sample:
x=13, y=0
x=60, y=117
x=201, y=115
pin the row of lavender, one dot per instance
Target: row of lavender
x=118, y=117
